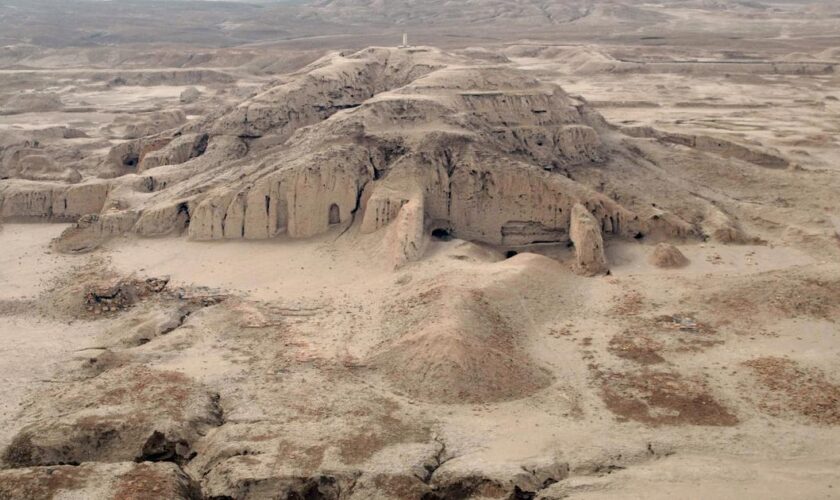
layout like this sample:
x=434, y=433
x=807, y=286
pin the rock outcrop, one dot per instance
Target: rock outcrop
x=92, y=230
x=483, y=174
x=180, y=150
x=24, y=161
x=589, y=242
x=98, y=481
x=125, y=414
x=26, y=200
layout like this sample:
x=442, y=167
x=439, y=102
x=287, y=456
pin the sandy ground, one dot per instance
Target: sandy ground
x=720, y=379
x=564, y=422
x=31, y=346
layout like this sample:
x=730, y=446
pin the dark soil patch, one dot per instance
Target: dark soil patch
x=630, y=303
x=121, y=294
x=648, y=339
x=640, y=348
x=790, y=388
x=662, y=398
x=147, y=481
x=42, y=483
x=385, y=431
x=307, y=458
x=779, y=295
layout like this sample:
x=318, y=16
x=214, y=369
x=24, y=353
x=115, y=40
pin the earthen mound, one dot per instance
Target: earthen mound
x=668, y=257
x=456, y=347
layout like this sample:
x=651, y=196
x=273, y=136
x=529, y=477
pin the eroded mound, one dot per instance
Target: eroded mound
x=668, y=257
x=453, y=345
x=417, y=136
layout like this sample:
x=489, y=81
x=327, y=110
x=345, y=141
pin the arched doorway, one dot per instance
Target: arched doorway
x=335, y=214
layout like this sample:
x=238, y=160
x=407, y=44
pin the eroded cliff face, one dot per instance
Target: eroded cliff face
x=415, y=138
x=26, y=200
x=477, y=147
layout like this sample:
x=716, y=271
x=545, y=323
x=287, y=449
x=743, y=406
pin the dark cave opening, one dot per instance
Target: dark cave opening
x=442, y=234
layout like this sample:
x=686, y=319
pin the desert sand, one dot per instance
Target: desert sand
x=584, y=249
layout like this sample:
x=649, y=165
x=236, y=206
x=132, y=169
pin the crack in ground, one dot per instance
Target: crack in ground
x=438, y=460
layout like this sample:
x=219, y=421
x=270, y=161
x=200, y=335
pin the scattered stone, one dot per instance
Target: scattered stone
x=121, y=294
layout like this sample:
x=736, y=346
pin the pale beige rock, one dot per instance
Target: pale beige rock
x=760, y=156
x=209, y=218
x=38, y=167
x=126, y=158
x=91, y=231
x=585, y=233
x=406, y=238
x=138, y=126
x=29, y=200
x=164, y=219
x=180, y=150
x=339, y=81
x=485, y=150
x=26, y=200
x=381, y=207
x=720, y=227
x=79, y=199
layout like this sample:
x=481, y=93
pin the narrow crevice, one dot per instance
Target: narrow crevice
x=436, y=462
x=200, y=146
x=183, y=216
x=159, y=448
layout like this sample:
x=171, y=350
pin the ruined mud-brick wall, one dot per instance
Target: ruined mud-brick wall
x=301, y=200
x=27, y=200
